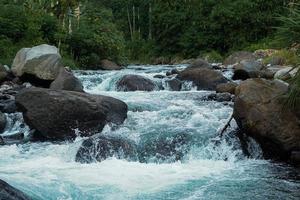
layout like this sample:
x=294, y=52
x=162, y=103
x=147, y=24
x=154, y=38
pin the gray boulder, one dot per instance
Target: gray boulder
x=259, y=111
x=135, y=83
x=41, y=62
x=247, y=69
x=286, y=73
x=100, y=147
x=66, y=81
x=164, y=147
x=203, y=78
x=174, y=84
x=56, y=114
x=226, y=87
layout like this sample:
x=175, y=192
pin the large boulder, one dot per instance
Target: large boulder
x=101, y=147
x=286, y=73
x=135, y=83
x=7, y=192
x=109, y=65
x=226, y=87
x=247, y=69
x=269, y=72
x=259, y=110
x=238, y=57
x=39, y=64
x=203, y=78
x=66, y=81
x=164, y=147
x=57, y=114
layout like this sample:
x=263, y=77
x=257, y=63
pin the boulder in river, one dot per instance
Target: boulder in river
x=238, y=57
x=39, y=65
x=247, y=69
x=203, y=78
x=7, y=192
x=260, y=112
x=109, y=65
x=226, y=87
x=172, y=72
x=164, y=147
x=66, y=81
x=101, y=147
x=56, y=114
x=174, y=84
x=135, y=83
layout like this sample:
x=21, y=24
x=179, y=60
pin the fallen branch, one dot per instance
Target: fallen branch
x=226, y=126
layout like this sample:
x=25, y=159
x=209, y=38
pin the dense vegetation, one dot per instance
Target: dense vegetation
x=137, y=30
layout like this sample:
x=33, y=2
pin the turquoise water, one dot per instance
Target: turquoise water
x=209, y=170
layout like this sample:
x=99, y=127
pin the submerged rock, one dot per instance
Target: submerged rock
x=55, y=114
x=159, y=76
x=100, y=147
x=66, y=81
x=38, y=65
x=7, y=192
x=172, y=72
x=135, y=83
x=163, y=148
x=203, y=78
x=260, y=112
x=174, y=84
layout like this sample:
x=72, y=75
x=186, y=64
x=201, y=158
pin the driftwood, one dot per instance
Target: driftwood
x=225, y=127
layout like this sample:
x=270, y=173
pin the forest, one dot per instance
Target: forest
x=138, y=31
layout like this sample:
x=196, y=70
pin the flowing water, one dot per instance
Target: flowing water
x=212, y=168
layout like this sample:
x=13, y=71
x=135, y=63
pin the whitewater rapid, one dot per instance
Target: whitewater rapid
x=212, y=168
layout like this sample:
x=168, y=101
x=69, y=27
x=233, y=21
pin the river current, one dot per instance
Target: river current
x=213, y=168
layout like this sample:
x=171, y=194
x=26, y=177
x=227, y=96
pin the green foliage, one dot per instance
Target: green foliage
x=90, y=30
x=96, y=39
x=288, y=57
x=289, y=29
x=212, y=56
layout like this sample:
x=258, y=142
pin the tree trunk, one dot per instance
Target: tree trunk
x=150, y=22
x=129, y=23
